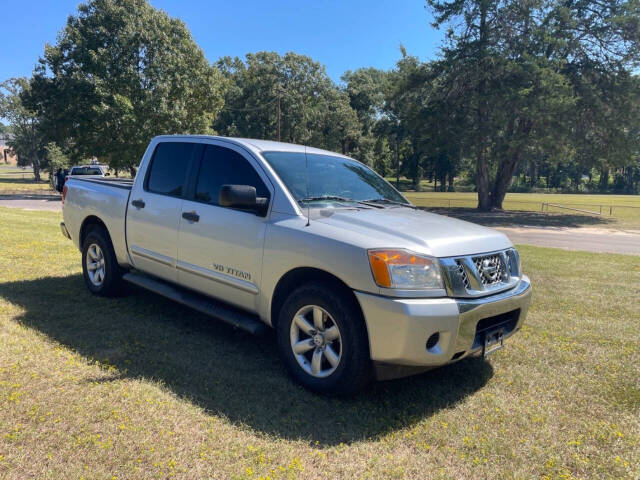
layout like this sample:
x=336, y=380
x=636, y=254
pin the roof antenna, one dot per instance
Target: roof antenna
x=306, y=160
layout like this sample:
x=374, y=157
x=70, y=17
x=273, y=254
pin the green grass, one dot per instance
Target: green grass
x=625, y=211
x=513, y=201
x=15, y=180
x=140, y=387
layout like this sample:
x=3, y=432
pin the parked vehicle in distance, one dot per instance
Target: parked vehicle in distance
x=356, y=281
x=92, y=170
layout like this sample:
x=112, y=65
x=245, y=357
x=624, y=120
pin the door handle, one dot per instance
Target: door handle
x=138, y=203
x=191, y=216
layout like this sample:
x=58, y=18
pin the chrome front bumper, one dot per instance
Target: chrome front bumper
x=400, y=327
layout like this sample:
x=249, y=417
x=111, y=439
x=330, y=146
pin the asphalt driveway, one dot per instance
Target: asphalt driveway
x=588, y=239
x=32, y=202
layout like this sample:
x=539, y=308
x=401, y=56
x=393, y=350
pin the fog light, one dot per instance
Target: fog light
x=433, y=340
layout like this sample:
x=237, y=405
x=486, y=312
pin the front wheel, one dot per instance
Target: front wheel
x=323, y=341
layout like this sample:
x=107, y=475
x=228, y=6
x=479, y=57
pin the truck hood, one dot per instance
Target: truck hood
x=423, y=232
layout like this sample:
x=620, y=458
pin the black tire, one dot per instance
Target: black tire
x=353, y=372
x=111, y=284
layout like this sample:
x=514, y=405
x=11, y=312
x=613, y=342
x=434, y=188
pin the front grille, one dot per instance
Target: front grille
x=491, y=269
x=478, y=275
x=463, y=274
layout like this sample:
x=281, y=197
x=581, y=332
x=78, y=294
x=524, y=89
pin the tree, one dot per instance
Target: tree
x=382, y=156
x=607, y=124
x=26, y=139
x=288, y=97
x=366, y=88
x=342, y=129
x=120, y=73
x=55, y=159
x=512, y=64
x=268, y=90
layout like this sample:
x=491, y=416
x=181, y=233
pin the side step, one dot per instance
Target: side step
x=226, y=313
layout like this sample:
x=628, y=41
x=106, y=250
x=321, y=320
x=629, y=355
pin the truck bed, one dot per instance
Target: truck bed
x=105, y=199
x=126, y=183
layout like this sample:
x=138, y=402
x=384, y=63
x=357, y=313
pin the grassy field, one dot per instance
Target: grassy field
x=16, y=180
x=517, y=201
x=621, y=211
x=140, y=387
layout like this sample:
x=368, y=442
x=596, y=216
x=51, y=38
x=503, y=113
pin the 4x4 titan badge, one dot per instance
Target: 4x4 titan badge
x=232, y=271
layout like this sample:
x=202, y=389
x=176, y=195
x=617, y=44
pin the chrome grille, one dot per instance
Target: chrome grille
x=478, y=275
x=491, y=269
x=463, y=274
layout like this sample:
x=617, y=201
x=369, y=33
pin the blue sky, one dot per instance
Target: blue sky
x=342, y=35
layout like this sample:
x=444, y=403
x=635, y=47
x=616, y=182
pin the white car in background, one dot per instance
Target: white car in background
x=93, y=170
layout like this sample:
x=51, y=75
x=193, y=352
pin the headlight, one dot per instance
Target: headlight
x=403, y=269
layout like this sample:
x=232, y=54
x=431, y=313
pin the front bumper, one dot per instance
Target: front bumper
x=400, y=327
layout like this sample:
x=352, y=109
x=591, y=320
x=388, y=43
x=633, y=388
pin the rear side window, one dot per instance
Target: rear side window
x=168, y=171
x=223, y=166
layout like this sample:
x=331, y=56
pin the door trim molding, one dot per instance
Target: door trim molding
x=217, y=277
x=149, y=255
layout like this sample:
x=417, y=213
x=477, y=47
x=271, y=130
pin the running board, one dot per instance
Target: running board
x=231, y=315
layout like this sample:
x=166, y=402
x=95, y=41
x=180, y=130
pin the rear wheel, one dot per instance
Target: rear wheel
x=323, y=341
x=100, y=269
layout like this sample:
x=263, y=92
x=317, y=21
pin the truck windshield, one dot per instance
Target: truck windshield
x=314, y=177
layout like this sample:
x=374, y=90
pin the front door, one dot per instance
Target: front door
x=155, y=205
x=220, y=249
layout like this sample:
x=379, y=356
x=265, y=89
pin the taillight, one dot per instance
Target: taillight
x=64, y=192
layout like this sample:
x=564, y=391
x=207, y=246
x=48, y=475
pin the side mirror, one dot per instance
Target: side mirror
x=107, y=174
x=242, y=196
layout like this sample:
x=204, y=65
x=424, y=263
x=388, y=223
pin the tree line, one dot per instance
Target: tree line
x=524, y=94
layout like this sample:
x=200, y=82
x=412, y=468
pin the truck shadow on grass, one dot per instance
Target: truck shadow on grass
x=225, y=371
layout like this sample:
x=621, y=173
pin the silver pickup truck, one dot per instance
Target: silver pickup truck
x=357, y=282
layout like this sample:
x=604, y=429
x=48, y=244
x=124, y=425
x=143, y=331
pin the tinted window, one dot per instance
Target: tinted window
x=222, y=166
x=86, y=171
x=169, y=168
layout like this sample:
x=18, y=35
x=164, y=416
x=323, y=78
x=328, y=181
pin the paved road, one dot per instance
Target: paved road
x=589, y=239
x=51, y=203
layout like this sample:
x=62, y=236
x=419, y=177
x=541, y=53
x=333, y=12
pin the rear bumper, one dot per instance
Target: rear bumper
x=400, y=327
x=65, y=232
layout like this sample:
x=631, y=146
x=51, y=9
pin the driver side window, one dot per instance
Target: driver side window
x=223, y=166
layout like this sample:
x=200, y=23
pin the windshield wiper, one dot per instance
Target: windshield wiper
x=339, y=199
x=390, y=202
x=326, y=197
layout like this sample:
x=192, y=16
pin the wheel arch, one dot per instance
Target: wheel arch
x=301, y=275
x=88, y=224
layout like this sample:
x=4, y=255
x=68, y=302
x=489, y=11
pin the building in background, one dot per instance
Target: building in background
x=6, y=154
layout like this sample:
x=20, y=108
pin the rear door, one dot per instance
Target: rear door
x=220, y=249
x=155, y=204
